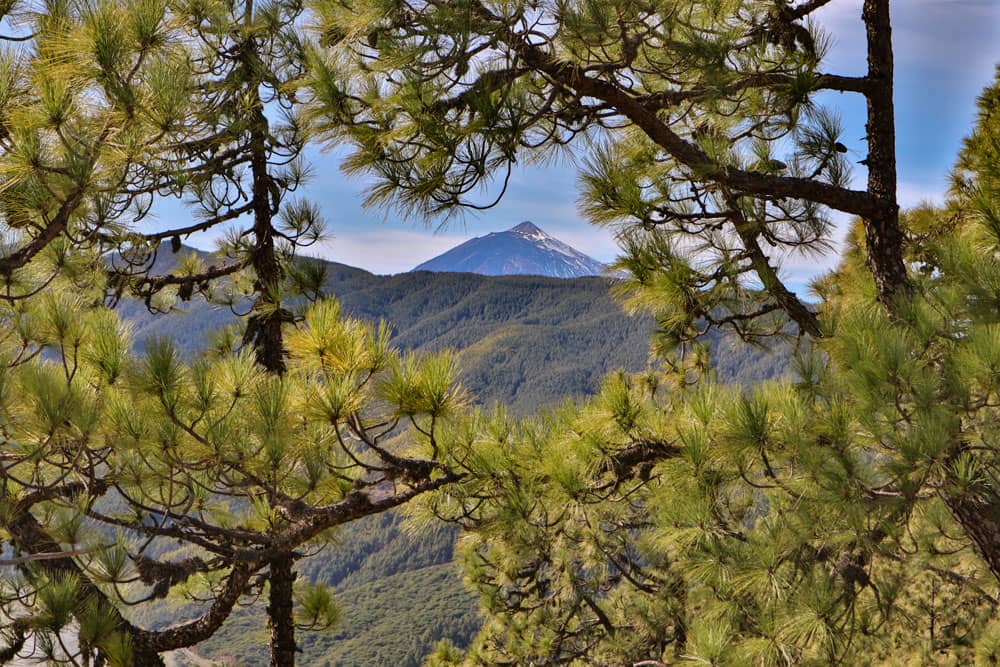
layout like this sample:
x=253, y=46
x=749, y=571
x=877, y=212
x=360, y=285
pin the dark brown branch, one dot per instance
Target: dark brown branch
x=357, y=504
x=686, y=153
x=806, y=8
x=94, y=488
x=189, y=634
x=202, y=226
x=149, y=285
x=668, y=98
x=789, y=302
x=52, y=230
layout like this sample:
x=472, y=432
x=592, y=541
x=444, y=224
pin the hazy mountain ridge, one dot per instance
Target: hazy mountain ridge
x=521, y=250
x=554, y=338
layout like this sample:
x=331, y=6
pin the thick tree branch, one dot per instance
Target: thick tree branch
x=311, y=521
x=200, y=629
x=806, y=8
x=150, y=285
x=55, y=227
x=574, y=77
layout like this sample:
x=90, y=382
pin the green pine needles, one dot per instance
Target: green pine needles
x=164, y=476
x=847, y=514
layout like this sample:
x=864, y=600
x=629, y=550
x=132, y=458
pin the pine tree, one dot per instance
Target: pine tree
x=824, y=519
x=698, y=125
x=110, y=460
x=90, y=91
x=828, y=519
x=248, y=57
x=242, y=508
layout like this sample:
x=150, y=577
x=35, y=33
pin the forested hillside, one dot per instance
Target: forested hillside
x=523, y=341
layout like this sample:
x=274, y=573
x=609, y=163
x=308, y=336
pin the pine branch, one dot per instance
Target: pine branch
x=574, y=78
x=54, y=555
x=354, y=506
x=200, y=629
x=28, y=536
x=806, y=8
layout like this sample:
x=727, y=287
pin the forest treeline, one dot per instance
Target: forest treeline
x=845, y=511
x=524, y=342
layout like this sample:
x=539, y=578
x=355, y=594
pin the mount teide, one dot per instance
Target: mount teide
x=521, y=250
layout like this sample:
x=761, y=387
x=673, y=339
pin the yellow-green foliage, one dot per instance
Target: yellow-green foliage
x=792, y=523
x=213, y=451
x=807, y=521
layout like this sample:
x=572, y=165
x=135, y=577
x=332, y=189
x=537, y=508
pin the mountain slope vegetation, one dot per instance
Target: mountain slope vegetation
x=525, y=341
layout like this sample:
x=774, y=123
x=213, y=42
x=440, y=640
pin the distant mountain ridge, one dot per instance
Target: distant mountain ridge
x=521, y=250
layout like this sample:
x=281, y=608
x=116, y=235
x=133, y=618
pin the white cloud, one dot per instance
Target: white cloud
x=385, y=251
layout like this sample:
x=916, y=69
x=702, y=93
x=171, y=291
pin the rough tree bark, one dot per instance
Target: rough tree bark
x=883, y=235
x=980, y=519
x=279, y=611
x=264, y=326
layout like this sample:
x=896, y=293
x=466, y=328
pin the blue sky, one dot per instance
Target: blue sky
x=946, y=52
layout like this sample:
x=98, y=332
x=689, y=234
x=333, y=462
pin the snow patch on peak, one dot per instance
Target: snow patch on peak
x=529, y=230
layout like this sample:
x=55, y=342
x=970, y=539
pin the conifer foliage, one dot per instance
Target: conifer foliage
x=130, y=479
x=828, y=519
x=850, y=513
x=841, y=517
x=127, y=480
x=697, y=121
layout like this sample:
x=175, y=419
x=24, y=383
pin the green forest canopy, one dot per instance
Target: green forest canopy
x=833, y=516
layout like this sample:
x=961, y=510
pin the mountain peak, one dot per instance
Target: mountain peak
x=523, y=249
x=528, y=228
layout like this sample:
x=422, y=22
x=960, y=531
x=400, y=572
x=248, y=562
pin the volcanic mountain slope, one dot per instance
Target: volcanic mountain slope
x=521, y=250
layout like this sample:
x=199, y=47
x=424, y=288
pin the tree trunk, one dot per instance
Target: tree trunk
x=883, y=235
x=264, y=332
x=980, y=519
x=279, y=612
x=264, y=325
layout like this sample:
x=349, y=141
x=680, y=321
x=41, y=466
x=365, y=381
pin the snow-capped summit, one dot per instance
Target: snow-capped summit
x=523, y=249
x=530, y=230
